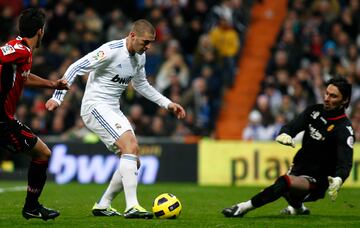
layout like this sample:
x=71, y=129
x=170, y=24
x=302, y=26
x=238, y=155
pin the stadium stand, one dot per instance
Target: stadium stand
x=184, y=63
x=266, y=19
x=317, y=40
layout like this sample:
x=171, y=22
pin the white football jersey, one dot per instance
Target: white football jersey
x=111, y=69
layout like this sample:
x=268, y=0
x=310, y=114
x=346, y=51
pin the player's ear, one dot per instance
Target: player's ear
x=345, y=102
x=40, y=32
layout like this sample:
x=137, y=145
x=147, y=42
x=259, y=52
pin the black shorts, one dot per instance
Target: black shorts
x=16, y=137
x=318, y=184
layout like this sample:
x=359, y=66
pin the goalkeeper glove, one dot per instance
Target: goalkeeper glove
x=334, y=186
x=285, y=139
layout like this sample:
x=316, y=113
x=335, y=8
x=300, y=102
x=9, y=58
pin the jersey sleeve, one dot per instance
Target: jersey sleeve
x=93, y=60
x=346, y=140
x=143, y=87
x=13, y=54
x=298, y=124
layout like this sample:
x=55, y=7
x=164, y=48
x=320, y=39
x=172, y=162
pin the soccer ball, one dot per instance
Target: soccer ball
x=166, y=206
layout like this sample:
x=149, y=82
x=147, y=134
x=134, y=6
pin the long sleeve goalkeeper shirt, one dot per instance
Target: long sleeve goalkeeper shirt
x=327, y=145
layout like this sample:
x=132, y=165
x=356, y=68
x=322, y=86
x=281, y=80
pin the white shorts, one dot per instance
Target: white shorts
x=108, y=123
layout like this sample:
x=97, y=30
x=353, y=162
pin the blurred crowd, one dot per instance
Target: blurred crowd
x=193, y=60
x=319, y=39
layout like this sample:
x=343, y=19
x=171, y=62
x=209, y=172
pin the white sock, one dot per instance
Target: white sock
x=115, y=186
x=248, y=205
x=129, y=174
x=302, y=208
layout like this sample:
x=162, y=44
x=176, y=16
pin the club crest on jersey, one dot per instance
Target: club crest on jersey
x=25, y=73
x=19, y=46
x=99, y=56
x=7, y=49
x=331, y=127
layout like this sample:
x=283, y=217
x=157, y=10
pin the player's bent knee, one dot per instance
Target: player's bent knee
x=131, y=148
x=284, y=179
x=134, y=148
x=41, y=151
x=300, y=183
x=128, y=145
x=44, y=154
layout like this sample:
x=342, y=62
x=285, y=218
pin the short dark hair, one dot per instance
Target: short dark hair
x=30, y=21
x=142, y=26
x=343, y=86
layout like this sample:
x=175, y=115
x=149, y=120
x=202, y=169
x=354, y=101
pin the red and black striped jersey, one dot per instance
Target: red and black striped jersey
x=15, y=65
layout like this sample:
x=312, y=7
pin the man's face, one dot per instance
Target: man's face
x=142, y=42
x=333, y=98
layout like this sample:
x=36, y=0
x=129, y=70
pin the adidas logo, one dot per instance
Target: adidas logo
x=106, y=212
x=133, y=210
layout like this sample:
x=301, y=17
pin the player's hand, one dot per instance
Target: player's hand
x=285, y=139
x=61, y=84
x=334, y=186
x=178, y=110
x=51, y=105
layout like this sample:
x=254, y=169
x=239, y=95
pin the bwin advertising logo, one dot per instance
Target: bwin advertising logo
x=86, y=168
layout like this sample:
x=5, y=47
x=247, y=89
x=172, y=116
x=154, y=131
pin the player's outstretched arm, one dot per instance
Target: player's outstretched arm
x=285, y=139
x=51, y=105
x=178, y=110
x=36, y=81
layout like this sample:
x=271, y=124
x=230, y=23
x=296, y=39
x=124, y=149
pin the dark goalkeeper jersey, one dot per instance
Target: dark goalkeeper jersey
x=15, y=65
x=327, y=146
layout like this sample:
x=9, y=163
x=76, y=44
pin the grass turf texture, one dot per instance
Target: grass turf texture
x=201, y=207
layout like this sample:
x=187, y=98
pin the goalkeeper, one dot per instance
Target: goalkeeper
x=322, y=163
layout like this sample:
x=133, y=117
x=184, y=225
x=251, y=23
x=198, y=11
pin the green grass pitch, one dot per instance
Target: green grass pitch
x=201, y=207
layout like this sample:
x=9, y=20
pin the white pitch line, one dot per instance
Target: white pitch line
x=13, y=189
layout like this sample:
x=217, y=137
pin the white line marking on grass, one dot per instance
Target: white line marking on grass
x=13, y=189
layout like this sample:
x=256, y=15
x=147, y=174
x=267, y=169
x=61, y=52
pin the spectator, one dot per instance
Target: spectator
x=227, y=42
x=255, y=130
x=197, y=100
x=173, y=66
x=119, y=26
x=6, y=23
x=76, y=133
x=76, y=27
x=355, y=119
x=138, y=120
x=263, y=106
x=157, y=127
x=205, y=54
x=280, y=61
x=327, y=35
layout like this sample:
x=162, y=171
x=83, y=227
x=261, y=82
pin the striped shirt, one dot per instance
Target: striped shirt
x=111, y=69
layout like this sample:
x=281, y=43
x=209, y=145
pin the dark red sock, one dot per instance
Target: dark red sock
x=36, y=182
